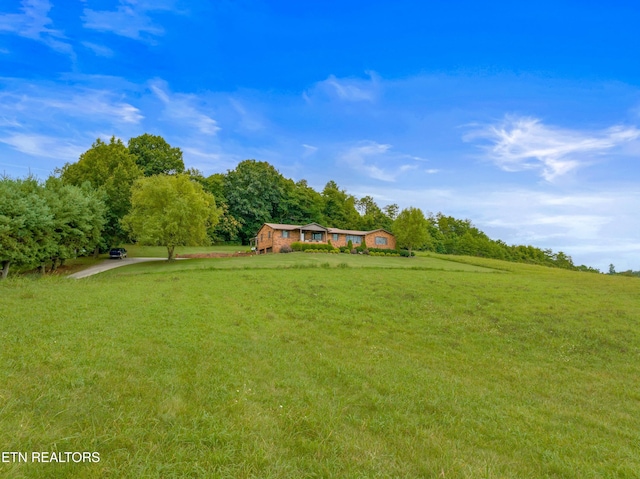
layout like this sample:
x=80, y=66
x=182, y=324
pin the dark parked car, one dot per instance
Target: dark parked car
x=117, y=253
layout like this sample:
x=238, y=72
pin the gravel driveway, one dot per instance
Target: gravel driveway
x=110, y=264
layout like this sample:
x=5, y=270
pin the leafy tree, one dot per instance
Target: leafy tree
x=391, y=211
x=254, y=192
x=112, y=169
x=25, y=222
x=170, y=211
x=372, y=217
x=155, y=156
x=612, y=269
x=301, y=204
x=228, y=227
x=339, y=208
x=410, y=229
x=78, y=218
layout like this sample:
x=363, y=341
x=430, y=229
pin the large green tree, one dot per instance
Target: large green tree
x=170, y=210
x=254, y=192
x=155, y=156
x=25, y=224
x=227, y=229
x=112, y=169
x=339, y=207
x=371, y=216
x=78, y=218
x=410, y=229
x=301, y=204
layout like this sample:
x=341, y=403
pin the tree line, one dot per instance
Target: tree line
x=142, y=192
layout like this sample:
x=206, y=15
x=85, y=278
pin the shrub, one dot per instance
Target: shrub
x=297, y=246
x=350, y=245
x=365, y=251
x=354, y=251
x=286, y=249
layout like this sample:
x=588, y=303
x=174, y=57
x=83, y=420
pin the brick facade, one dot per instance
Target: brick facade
x=271, y=237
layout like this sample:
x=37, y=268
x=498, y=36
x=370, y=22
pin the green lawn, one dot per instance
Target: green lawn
x=300, y=260
x=134, y=251
x=196, y=369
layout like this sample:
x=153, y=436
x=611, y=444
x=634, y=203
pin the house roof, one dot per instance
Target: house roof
x=317, y=227
x=313, y=227
x=279, y=226
x=355, y=232
x=309, y=227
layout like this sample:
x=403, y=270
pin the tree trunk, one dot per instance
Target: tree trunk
x=5, y=269
x=96, y=252
x=170, y=252
x=42, y=269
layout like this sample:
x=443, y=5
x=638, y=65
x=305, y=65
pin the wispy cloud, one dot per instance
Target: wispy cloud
x=44, y=146
x=99, y=50
x=34, y=23
x=367, y=155
x=44, y=104
x=309, y=150
x=524, y=143
x=131, y=19
x=347, y=89
x=182, y=107
x=249, y=120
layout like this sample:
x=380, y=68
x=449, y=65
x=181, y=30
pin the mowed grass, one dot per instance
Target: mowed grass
x=323, y=372
x=303, y=260
x=137, y=251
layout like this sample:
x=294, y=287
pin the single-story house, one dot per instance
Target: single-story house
x=273, y=236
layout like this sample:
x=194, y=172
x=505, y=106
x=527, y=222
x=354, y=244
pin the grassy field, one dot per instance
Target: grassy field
x=134, y=251
x=207, y=368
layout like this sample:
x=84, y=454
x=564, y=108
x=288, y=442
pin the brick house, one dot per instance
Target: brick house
x=272, y=236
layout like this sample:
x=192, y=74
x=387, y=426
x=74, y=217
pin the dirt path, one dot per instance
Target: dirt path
x=110, y=264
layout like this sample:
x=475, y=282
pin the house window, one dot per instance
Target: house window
x=335, y=236
x=317, y=236
x=354, y=239
x=261, y=236
x=285, y=234
x=381, y=240
x=269, y=235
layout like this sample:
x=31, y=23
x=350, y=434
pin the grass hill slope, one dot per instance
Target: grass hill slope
x=323, y=371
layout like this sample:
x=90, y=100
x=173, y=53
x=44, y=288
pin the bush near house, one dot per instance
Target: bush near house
x=297, y=246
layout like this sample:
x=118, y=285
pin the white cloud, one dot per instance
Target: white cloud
x=99, y=50
x=34, y=23
x=249, y=121
x=43, y=104
x=131, y=19
x=347, y=89
x=182, y=107
x=201, y=153
x=367, y=155
x=309, y=150
x=524, y=143
x=44, y=146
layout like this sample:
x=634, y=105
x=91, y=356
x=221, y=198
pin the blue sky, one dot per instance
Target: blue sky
x=521, y=116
